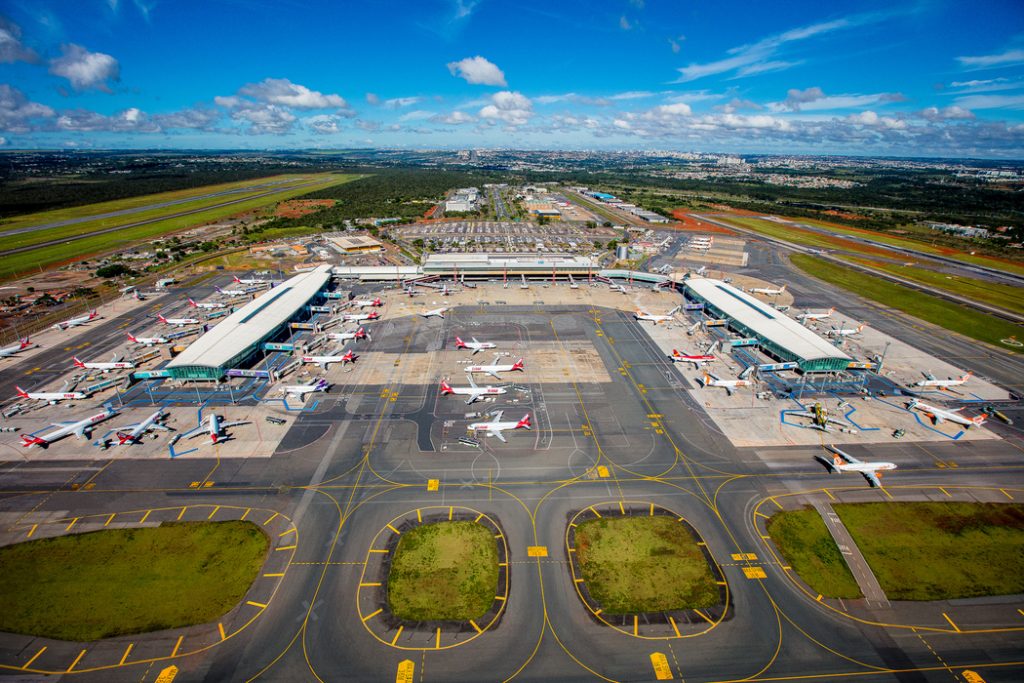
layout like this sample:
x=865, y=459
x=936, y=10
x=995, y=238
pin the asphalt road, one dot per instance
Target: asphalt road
x=355, y=465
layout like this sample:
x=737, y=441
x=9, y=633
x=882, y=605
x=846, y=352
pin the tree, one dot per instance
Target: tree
x=114, y=270
x=591, y=224
x=612, y=244
x=607, y=224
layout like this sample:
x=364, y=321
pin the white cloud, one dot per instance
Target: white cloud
x=17, y=113
x=985, y=85
x=574, y=98
x=478, y=71
x=416, y=115
x=283, y=92
x=129, y=120
x=676, y=43
x=371, y=98
x=512, y=108
x=84, y=69
x=464, y=8
x=264, y=119
x=991, y=102
x=11, y=48
x=946, y=113
x=624, y=23
x=399, y=102
x=323, y=124
x=631, y=95
x=1005, y=58
x=195, y=118
x=815, y=99
x=455, y=118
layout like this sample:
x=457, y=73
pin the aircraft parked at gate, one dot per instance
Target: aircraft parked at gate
x=360, y=317
x=75, y=322
x=696, y=359
x=81, y=429
x=475, y=345
x=435, y=313
x=942, y=384
x=133, y=433
x=9, y=351
x=148, y=341
x=178, y=322
x=346, y=336
x=303, y=390
x=215, y=428
x=494, y=368
x=232, y=292
x=810, y=315
x=495, y=427
x=206, y=306
x=324, y=361
x=656, y=319
x=768, y=291
x=105, y=367
x=845, y=331
x=940, y=415
x=52, y=397
x=712, y=380
x=473, y=391
x=844, y=462
x=360, y=303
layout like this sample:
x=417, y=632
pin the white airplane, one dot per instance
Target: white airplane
x=9, y=351
x=472, y=391
x=80, y=429
x=496, y=426
x=75, y=322
x=133, y=433
x=346, y=336
x=845, y=331
x=249, y=281
x=656, y=319
x=696, y=359
x=215, y=428
x=361, y=303
x=324, y=361
x=232, y=292
x=712, y=380
x=411, y=291
x=476, y=346
x=768, y=291
x=494, y=368
x=942, y=384
x=52, y=397
x=360, y=317
x=302, y=390
x=105, y=367
x=940, y=415
x=810, y=315
x=206, y=306
x=148, y=341
x=435, y=313
x=844, y=462
x=178, y=322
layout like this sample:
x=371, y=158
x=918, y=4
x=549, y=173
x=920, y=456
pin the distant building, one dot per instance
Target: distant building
x=356, y=244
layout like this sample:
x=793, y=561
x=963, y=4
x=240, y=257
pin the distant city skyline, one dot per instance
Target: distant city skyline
x=930, y=78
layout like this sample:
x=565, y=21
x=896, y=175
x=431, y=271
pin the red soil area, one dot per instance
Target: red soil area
x=294, y=208
x=688, y=222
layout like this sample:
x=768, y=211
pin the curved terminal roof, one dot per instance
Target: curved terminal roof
x=253, y=322
x=763, y=320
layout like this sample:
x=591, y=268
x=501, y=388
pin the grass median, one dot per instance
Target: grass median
x=446, y=571
x=118, y=581
x=643, y=564
x=940, y=551
x=946, y=314
x=808, y=547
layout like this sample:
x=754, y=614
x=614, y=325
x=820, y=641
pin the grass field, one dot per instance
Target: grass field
x=643, y=564
x=43, y=257
x=807, y=238
x=1005, y=296
x=940, y=551
x=945, y=314
x=444, y=571
x=805, y=542
x=120, y=581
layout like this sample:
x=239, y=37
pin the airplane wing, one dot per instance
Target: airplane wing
x=938, y=419
x=225, y=425
x=473, y=397
x=476, y=350
x=728, y=390
x=845, y=456
x=469, y=376
x=497, y=433
x=928, y=375
x=713, y=375
x=803, y=414
x=493, y=374
x=873, y=479
x=497, y=415
x=83, y=431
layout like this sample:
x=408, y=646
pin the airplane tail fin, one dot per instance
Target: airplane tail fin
x=445, y=387
x=832, y=310
x=94, y=314
x=235, y=278
x=962, y=379
x=860, y=327
x=518, y=365
x=459, y=344
x=193, y=304
x=524, y=423
x=32, y=441
x=21, y=392
x=676, y=354
x=123, y=438
x=707, y=380
x=25, y=343
x=132, y=337
x=161, y=318
x=360, y=333
x=783, y=288
x=78, y=363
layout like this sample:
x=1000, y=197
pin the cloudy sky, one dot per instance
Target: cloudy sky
x=925, y=78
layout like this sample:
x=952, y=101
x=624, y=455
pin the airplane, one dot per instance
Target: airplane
x=768, y=291
x=712, y=380
x=367, y=302
x=942, y=384
x=9, y=351
x=474, y=392
x=324, y=361
x=437, y=312
x=105, y=367
x=493, y=369
x=249, y=281
x=656, y=319
x=345, y=336
x=206, y=306
x=701, y=270
x=133, y=433
x=821, y=315
x=301, y=390
x=178, y=322
x=940, y=415
x=75, y=322
x=495, y=427
x=477, y=346
x=845, y=331
x=818, y=415
x=81, y=429
x=52, y=396
x=148, y=341
x=411, y=291
x=844, y=462
x=215, y=428
x=232, y=292
x=360, y=317
x=696, y=359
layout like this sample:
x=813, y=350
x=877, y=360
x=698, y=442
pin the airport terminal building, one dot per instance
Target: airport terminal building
x=777, y=334
x=239, y=337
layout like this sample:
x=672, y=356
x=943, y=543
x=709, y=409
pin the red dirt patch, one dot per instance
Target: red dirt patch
x=295, y=208
x=689, y=222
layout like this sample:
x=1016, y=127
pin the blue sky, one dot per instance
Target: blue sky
x=927, y=78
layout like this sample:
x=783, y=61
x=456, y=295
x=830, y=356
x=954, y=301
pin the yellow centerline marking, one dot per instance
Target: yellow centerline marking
x=245, y=514
x=182, y=513
x=473, y=624
x=73, y=522
x=34, y=657
x=674, y=627
x=285, y=547
x=215, y=511
x=273, y=575
x=957, y=628
x=285, y=533
x=145, y=517
x=77, y=660
x=369, y=585
x=392, y=528
x=32, y=530
x=419, y=516
x=177, y=645
x=220, y=627
x=437, y=645
x=110, y=519
x=1003, y=491
x=397, y=634
x=372, y=615
x=271, y=518
x=128, y=651
x=256, y=604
